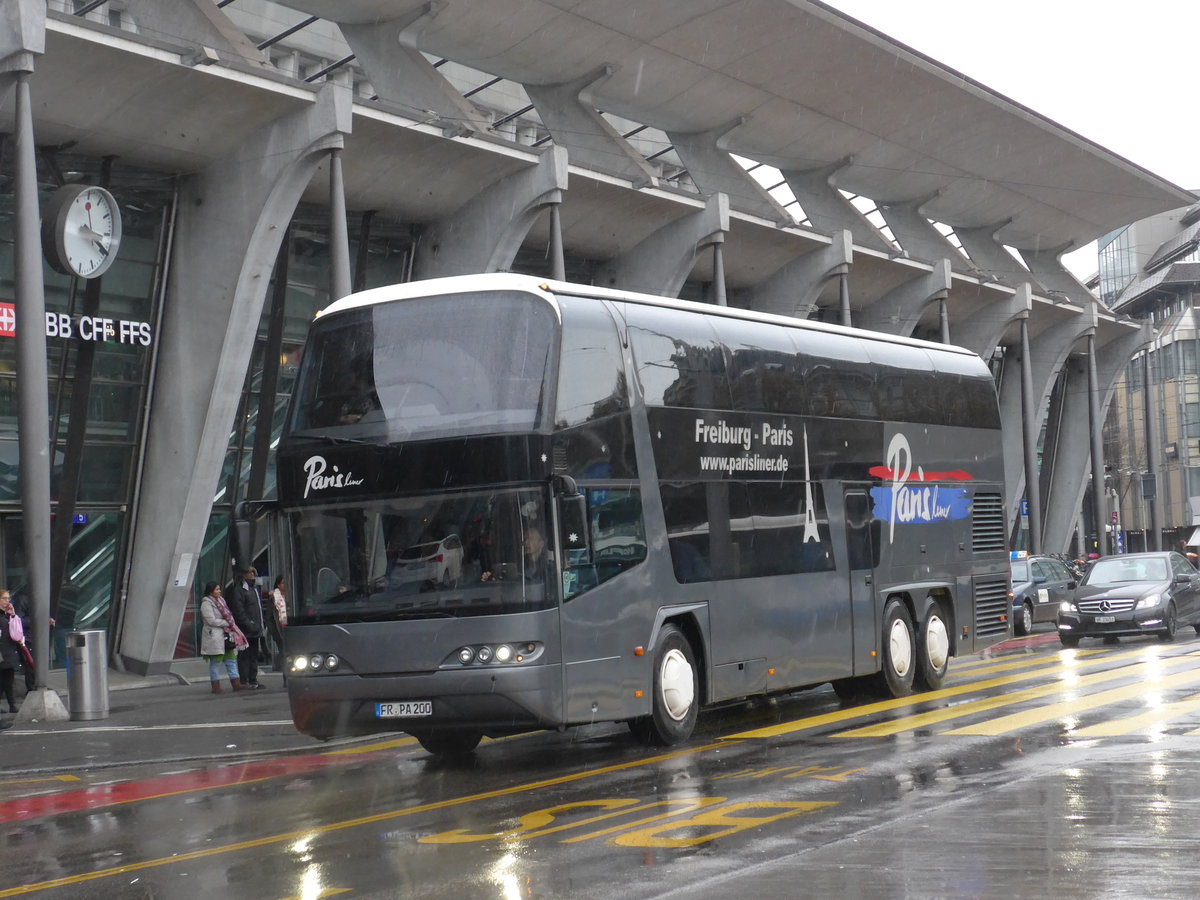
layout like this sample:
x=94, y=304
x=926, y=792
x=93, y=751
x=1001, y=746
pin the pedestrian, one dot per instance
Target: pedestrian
x=221, y=638
x=276, y=622
x=247, y=612
x=12, y=642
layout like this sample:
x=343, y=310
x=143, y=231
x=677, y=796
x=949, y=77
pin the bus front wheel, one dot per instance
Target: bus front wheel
x=673, y=702
x=448, y=743
x=899, y=650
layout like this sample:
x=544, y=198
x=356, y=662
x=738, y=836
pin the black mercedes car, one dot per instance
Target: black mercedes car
x=1138, y=593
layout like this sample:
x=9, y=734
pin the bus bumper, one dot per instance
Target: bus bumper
x=494, y=701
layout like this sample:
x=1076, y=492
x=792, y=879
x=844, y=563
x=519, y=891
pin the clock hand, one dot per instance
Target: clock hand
x=94, y=236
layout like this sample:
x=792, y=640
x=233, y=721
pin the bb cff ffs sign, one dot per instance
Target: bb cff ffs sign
x=87, y=328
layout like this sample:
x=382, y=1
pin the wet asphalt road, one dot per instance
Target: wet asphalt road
x=1036, y=772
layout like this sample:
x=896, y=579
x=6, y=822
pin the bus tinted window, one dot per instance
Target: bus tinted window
x=968, y=394
x=679, y=360
x=837, y=375
x=591, y=380
x=726, y=530
x=905, y=383
x=472, y=362
x=764, y=373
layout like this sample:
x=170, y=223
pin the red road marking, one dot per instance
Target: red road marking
x=133, y=791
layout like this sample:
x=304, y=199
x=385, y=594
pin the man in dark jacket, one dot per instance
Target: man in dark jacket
x=247, y=612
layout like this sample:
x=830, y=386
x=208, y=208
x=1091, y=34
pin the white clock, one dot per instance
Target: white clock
x=81, y=230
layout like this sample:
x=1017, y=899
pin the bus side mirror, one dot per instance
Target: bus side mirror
x=573, y=528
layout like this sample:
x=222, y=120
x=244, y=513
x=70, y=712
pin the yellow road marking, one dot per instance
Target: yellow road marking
x=372, y=748
x=1067, y=665
x=36, y=780
x=998, y=726
x=309, y=833
x=921, y=720
x=1118, y=727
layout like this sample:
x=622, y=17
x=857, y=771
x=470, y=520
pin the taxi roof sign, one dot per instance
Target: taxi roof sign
x=1018, y=554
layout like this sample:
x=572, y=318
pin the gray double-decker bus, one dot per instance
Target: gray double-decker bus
x=512, y=504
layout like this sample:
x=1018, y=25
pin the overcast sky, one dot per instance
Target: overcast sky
x=1123, y=75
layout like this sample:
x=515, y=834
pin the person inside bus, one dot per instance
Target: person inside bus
x=536, y=565
x=361, y=398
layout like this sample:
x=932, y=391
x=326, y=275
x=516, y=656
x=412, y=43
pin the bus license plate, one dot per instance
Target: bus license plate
x=404, y=709
x=1104, y=620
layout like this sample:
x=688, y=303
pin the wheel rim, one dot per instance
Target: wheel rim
x=900, y=648
x=1026, y=619
x=677, y=685
x=937, y=642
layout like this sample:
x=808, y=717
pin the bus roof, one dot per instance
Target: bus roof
x=546, y=288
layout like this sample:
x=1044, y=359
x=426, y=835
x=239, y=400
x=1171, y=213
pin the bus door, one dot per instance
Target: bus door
x=597, y=623
x=862, y=547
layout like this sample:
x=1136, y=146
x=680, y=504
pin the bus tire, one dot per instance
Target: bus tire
x=933, y=648
x=899, y=651
x=673, y=703
x=448, y=743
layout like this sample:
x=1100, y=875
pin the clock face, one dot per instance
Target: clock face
x=86, y=230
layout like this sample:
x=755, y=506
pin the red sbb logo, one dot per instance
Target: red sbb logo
x=8, y=320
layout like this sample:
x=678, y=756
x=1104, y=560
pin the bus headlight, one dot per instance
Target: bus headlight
x=314, y=663
x=510, y=654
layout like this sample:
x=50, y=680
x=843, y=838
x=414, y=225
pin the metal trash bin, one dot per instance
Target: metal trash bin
x=87, y=680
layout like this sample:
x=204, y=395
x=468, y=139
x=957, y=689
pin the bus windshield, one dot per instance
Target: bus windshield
x=456, y=364
x=445, y=555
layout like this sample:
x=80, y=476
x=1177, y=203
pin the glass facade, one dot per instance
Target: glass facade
x=100, y=343
x=1118, y=262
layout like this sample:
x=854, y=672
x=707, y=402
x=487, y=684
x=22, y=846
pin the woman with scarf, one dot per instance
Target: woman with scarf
x=12, y=637
x=221, y=639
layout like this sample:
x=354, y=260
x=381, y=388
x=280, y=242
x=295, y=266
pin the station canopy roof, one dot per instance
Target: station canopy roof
x=816, y=89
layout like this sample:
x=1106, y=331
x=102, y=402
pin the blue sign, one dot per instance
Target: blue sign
x=80, y=518
x=1024, y=507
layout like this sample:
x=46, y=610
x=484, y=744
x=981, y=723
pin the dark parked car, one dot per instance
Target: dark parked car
x=1138, y=593
x=1040, y=584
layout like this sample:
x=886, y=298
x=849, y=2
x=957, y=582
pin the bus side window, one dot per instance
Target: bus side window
x=618, y=539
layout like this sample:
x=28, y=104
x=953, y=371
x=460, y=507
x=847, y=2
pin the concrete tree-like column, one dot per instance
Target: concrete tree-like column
x=231, y=219
x=828, y=210
x=1048, y=353
x=1071, y=447
x=1047, y=267
x=793, y=289
x=404, y=78
x=205, y=24
x=485, y=234
x=714, y=172
x=990, y=259
x=661, y=263
x=917, y=237
x=982, y=331
x=899, y=310
x=590, y=140
x=1150, y=424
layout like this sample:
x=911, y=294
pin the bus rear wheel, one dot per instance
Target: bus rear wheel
x=933, y=648
x=899, y=651
x=673, y=702
x=448, y=743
